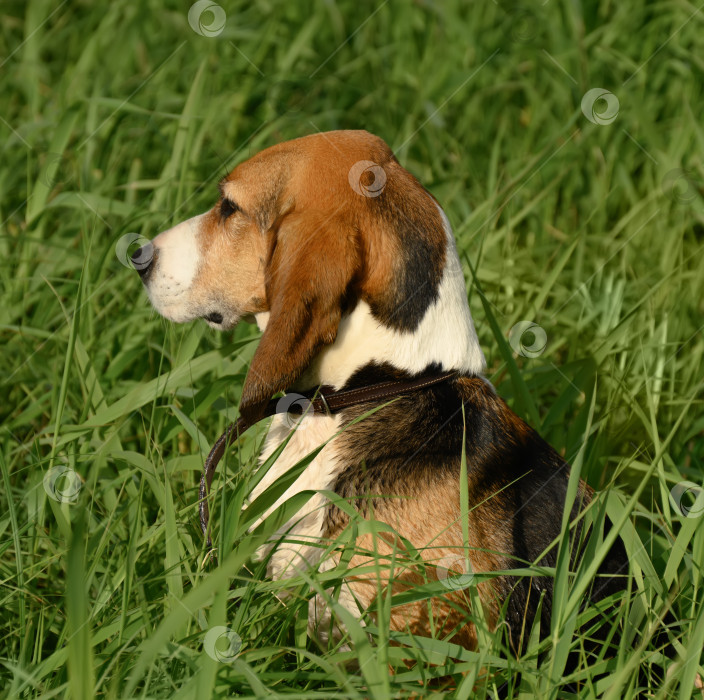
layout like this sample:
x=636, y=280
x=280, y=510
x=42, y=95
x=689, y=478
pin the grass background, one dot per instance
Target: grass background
x=118, y=118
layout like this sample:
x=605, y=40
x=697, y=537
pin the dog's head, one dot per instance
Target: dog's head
x=301, y=233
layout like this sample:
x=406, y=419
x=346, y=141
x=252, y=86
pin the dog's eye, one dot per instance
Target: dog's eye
x=228, y=208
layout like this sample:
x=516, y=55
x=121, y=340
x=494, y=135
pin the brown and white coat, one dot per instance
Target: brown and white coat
x=349, y=267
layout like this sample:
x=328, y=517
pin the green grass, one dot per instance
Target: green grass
x=118, y=118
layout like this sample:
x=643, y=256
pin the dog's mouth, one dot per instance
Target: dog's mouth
x=214, y=317
x=223, y=320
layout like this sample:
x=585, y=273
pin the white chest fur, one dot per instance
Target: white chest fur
x=445, y=336
x=301, y=546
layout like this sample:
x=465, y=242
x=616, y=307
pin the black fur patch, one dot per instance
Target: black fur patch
x=517, y=482
x=406, y=210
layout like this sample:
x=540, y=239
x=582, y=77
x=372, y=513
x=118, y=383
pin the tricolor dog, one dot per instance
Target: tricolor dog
x=349, y=267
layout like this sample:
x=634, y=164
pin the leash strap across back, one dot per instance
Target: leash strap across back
x=322, y=401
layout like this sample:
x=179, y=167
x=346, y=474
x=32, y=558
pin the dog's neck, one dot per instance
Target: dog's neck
x=445, y=337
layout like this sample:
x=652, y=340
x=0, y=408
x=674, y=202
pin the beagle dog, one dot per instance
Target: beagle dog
x=349, y=267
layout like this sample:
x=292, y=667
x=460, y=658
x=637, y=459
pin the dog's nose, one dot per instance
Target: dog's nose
x=143, y=260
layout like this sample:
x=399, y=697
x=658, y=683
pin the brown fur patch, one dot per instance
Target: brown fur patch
x=332, y=239
x=305, y=308
x=432, y=525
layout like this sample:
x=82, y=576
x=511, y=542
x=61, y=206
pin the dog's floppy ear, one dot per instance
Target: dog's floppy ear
x=309, y=274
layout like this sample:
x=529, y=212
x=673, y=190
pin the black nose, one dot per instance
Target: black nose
x=143, y=260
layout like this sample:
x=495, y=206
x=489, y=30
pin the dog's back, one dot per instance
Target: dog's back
x=402, y=467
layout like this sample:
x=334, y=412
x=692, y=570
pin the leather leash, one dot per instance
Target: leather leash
x=323, y=400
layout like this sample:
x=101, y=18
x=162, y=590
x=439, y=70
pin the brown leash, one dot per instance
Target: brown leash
x=323, y=400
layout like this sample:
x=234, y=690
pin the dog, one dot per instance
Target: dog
x=349, y=267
